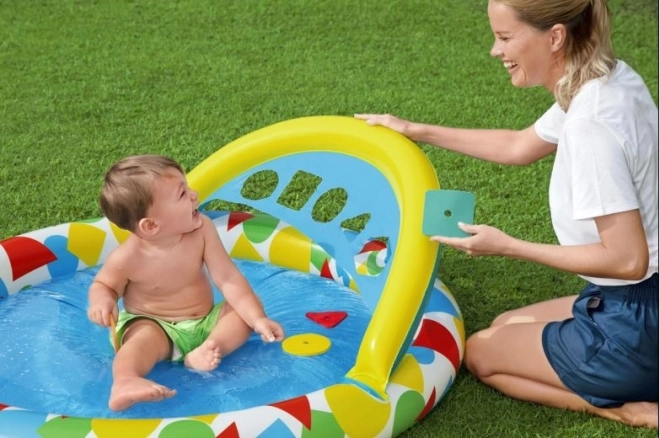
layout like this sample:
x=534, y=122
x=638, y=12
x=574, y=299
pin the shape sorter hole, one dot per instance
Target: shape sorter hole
x=373, y=257
x=448, y=213
x=260, y=185
x=298, y=191
x=329, y=205
x=356, y=223
x=221, y=205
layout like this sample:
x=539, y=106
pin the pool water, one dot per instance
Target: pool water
x=53, y=359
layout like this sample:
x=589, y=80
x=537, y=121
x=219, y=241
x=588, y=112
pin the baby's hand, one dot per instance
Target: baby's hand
x=269, y=330
x=101, y=312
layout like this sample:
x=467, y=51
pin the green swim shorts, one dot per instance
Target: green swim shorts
x=185, y=335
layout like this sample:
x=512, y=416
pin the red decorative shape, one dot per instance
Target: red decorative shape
x=325, y=270
x=327, y=319
x=373, y=245
x=237, y=218
x=3, y=406
x=298, y=408
x=230, y=432
x=436, y=337
x=25, y=255
x=429, y=405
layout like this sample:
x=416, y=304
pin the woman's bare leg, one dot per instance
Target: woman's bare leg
x=509, y=357
x=558, y=309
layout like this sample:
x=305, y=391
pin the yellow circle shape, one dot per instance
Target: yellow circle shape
x=306, y=344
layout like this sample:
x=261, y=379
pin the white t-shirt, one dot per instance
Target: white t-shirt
x=606, y=160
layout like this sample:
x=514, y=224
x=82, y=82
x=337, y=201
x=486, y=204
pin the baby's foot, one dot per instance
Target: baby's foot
x=130, y=390
x=206, y=357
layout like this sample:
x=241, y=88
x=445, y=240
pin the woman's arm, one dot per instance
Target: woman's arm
x=495, y=145
x=622, y=252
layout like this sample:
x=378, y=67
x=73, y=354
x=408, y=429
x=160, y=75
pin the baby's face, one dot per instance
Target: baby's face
x=175, y=204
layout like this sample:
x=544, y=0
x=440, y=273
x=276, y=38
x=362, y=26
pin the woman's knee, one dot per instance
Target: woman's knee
x=476, y=360
x=501, y=319
x=512, y=317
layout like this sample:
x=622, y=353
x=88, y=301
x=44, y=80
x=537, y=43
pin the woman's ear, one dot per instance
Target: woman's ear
x=557, y=37
x=148, y=226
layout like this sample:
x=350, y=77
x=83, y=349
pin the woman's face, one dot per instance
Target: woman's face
x=528, y=54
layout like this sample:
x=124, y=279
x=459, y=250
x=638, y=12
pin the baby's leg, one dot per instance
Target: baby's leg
x=229, y=333
x=144, y=344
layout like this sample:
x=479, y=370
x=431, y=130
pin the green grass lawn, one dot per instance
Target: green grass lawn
x=84, y=83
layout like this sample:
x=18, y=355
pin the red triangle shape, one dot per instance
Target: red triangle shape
x=26, y=254
x=237, y=217
x=327, y=319
x=230, y=432
x=298, y=408
x=325, y=270
x=429, y=405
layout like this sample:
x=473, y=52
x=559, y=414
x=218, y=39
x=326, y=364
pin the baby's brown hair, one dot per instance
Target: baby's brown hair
x=127, y=191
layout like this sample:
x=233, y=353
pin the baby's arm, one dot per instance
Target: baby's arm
x=106, y=289
x=235, y=287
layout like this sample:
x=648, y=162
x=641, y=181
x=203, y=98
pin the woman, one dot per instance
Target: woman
x=597, y=351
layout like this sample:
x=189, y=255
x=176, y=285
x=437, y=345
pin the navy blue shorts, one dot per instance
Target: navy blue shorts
x=608, y=352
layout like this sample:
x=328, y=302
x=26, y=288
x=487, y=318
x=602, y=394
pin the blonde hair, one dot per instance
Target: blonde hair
x=588, y=51
x=127, y=191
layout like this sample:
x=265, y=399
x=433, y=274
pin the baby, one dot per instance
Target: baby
x=159, y=271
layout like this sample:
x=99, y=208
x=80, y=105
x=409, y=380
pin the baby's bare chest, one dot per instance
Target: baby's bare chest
x=173, y=270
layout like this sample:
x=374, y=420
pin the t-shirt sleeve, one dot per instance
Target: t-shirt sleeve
x=549, y=126
x=601, y=179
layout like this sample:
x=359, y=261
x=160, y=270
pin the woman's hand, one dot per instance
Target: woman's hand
x=484, y=240
x=389, y=121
